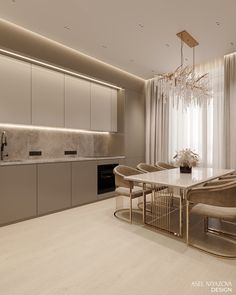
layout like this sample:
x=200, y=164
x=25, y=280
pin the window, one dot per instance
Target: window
x=201, y=128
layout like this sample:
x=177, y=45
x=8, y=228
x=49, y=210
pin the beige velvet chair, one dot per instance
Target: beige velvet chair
x=163, y=165
x=229, y=176
x=127, y=188
x=147, y=168
x=216, y=199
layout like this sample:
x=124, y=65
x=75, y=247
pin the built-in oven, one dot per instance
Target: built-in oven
x=106, y=178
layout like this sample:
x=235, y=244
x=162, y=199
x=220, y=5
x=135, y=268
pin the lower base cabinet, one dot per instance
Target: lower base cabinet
x=84, y=182
x=32, y=190
x=54, y=187
x=18, y=193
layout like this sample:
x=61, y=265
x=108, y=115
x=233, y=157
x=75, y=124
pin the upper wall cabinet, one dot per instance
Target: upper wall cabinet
x=77, y=103
x=47, y=97
x=31, y=94
x=15, y=91
x=103, y=107
x=100, y=108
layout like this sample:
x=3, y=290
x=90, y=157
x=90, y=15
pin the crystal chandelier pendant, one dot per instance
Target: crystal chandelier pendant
x=183, y=85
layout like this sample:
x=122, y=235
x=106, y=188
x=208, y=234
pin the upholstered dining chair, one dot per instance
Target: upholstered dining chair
x=127, y=188
x=163, y=165
x=229, y=176
x=216, y=199
x=147, y=168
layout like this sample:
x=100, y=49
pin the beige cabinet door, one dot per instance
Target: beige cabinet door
x=54, y=187
x=15, y=91
x=18, y=193
x=100, y=107
x=77, y=103
x=47, y=97
x=84, y=182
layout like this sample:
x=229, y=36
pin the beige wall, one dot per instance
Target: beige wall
x=131, y=109
x=134, y=127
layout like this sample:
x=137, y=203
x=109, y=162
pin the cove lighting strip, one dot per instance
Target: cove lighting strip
x=35, y=61
x=19, y=126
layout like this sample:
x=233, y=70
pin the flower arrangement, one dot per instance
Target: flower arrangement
x=186, y=158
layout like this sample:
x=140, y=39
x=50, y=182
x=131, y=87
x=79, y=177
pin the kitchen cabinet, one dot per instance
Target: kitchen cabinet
x=32, y=94
x=54, y=187
x=30, y=190
x=47, y=97
x=100, y=107
x=15, y=91
x=77, y=103
x=84, y=182
x=18, y=193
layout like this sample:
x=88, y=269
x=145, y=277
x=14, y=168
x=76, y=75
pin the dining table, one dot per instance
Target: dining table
x=169, y=191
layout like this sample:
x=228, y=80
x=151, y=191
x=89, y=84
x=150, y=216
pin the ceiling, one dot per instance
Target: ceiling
x=135, y=35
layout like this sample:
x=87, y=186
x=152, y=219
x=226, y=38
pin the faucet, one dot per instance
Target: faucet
x=3, y=143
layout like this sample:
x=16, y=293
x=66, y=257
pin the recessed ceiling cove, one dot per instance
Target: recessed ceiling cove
x=136, y=36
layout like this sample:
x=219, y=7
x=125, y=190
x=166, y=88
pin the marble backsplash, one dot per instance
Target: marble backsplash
x=53, y=143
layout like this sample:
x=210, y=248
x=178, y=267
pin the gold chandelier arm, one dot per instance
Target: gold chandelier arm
x=184, y=84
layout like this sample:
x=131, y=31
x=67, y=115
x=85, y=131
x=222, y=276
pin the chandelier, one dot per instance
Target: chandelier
x=184, y=84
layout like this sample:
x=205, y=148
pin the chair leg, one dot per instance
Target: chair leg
x=205, y=224
x=130, y=206
x=144, y=203
x=187, y=222
x=152, y=199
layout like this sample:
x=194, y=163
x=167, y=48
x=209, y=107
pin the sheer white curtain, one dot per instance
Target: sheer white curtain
x=230, y=108
x=157, y=125
x=198, y=128
x=202, y=128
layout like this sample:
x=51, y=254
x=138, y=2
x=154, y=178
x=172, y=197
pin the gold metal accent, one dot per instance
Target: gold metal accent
x=144, y=203
x=187, y=39
x=207, y=230
x=163, y=210
x=124, y=210
x=130, y=206
x=183, y=82
x=187, y=222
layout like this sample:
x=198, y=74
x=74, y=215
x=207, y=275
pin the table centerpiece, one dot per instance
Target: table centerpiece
x=186, y=159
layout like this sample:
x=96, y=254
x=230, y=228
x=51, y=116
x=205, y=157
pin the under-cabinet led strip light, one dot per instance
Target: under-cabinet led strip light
x=35, y=61
x=3, y=125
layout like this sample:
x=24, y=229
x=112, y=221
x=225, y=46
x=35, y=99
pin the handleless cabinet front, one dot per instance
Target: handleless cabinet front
x=18, y=193
x=54, y=187
x=77, y=103
x=47, y=97
x=84, y=182
x=100, y=107
x=15, y=91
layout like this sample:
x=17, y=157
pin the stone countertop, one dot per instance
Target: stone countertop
x=56, y=160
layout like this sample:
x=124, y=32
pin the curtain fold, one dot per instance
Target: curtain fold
x=200, y=128
x=157, y=125
x=230, y=107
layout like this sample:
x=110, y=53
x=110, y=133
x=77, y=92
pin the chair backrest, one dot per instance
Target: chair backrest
x=121, y=171
x=164, y=165
x=229, y=176
x=223, y=195
x=147, y=168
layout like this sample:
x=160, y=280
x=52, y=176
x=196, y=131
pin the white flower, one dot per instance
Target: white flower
x=186, y=158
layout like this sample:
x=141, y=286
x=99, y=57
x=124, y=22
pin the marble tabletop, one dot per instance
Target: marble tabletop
x=173, y=177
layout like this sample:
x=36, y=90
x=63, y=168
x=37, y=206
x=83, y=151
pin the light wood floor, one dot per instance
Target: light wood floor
x=87, y=251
